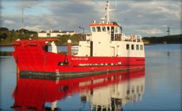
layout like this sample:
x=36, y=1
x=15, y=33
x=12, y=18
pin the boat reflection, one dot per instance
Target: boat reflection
x=104, y=92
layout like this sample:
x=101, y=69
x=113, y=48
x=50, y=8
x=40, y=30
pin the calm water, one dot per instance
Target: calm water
x=157, y=88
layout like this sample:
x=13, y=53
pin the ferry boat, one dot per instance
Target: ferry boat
x=106, y=48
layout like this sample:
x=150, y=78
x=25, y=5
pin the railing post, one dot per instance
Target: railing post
x=69, y=47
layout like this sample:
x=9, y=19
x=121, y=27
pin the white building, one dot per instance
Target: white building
x=55, y=33
x=43, y=34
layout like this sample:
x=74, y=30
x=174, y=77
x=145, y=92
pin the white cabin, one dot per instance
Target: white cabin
x=107, y=40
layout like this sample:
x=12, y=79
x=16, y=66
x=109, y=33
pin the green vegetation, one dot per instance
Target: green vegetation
x=9, y=36
x=64, y=38
x=165, y=39
x=5, y=53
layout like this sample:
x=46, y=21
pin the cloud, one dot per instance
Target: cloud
x=151, y=31
x=9, y=22
x=34, y=28
x=149, y=15
x=28, y=3
x=136, y=17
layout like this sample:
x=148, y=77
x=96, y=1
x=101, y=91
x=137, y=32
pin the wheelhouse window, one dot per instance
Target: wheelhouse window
x=137, y=47
x=108, y=29
x=132, y=47
x=116, y=30
x=98, y=29
x=112, y=29
x=93, y=29
x=127, y=46
x=103, y=29
x=141, y=47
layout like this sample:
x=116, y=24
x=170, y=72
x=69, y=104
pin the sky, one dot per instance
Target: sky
x=141, y=17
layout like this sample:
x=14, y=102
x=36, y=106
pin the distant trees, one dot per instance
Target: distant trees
x=3, y=29
x=8, y=36
x=3, y=36
x=167, y=39
x=3, y=33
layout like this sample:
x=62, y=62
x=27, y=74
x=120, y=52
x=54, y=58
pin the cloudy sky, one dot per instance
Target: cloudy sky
x=144, y=17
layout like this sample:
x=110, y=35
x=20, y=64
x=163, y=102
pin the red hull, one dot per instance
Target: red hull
x=30, y=56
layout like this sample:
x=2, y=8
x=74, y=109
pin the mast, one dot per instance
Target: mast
x=107, y=15
x=168, y=30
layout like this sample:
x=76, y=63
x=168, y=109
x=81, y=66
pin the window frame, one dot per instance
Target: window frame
x=132, y=47
x=98, y=29
x=94, y=29
x=108, y=29
x=103, y=28
x=137, y=47
x=141, y=47
x=127, y=46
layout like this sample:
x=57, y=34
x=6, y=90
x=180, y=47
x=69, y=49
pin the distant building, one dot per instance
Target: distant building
x=54, y=33
x=43, y=34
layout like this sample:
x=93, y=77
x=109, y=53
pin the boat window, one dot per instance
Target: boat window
x=132, y=47
x=137, y=47
x=93, y=29
x=112, y=29
x=127, y=46
x=108, y=29
x=98, y=29
x=116, y=30
x=141, y=47
x=103, y=29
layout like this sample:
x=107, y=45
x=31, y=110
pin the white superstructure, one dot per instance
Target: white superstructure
x=106, y=39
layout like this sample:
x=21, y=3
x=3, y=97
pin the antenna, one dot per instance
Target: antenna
x=168, y=30
x=115, y=4
x=107, y=15
x=22, y=20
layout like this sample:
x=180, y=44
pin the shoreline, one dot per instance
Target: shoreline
x=78, y=44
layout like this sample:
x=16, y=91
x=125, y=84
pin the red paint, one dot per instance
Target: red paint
x=31, y=57
x=34, y=93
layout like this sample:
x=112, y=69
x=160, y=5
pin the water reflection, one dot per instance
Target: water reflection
x=104, y=92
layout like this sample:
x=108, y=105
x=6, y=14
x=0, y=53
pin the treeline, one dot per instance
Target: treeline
x=165, y=39
x=8, y=36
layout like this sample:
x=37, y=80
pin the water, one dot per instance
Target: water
x=161, y=85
